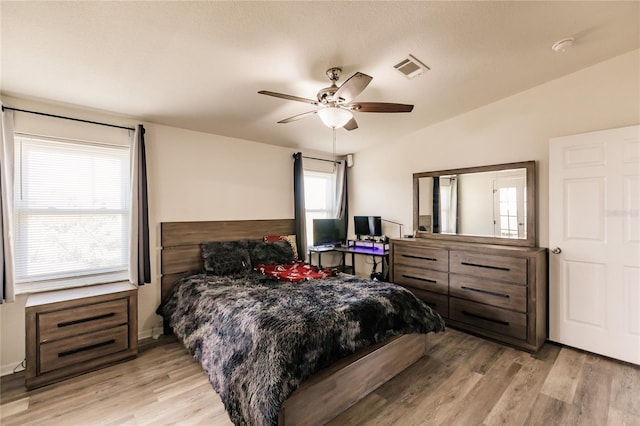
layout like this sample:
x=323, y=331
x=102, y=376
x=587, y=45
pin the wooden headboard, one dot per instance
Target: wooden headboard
x=181, y=242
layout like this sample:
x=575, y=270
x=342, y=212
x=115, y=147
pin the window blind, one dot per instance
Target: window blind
x=71, y=209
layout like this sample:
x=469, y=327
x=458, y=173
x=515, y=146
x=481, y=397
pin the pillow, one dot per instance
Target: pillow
x=290, y=238
x=277, y=252
x=225, y=258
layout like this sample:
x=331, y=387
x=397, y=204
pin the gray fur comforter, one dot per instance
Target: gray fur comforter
x=258, y=339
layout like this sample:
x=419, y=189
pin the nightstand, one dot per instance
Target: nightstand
x=74, y=331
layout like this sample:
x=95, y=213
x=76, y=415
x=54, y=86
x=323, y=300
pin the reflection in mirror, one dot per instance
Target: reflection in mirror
x=486, y=202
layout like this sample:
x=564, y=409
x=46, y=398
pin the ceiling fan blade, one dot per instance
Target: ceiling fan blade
x=353, y=86
x=351, y=124
x=288, y=97
x=298, y=117
x=380, y=107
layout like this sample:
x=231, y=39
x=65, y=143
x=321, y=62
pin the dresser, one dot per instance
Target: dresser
x=495, y=291
x=74, y=331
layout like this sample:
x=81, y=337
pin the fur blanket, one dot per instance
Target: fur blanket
x=258, y=339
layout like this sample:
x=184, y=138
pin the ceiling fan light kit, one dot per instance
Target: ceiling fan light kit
x=335, y=117
x=336, y=106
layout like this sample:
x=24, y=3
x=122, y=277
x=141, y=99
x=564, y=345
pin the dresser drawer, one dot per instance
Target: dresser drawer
x=82, y=319
x=482, y=290
x=501, y=268
x=421, y=257
x=489, y=318
x=72, y=350
x=436, y=301
x=425, y=279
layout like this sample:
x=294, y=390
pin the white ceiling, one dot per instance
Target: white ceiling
x=199, y=65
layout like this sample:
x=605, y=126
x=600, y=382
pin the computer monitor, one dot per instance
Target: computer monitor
x=368, y=226
x=328, y=232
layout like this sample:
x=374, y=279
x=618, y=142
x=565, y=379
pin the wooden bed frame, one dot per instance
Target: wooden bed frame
x=328, y=392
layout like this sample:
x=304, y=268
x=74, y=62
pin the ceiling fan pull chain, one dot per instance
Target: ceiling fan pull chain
x=334, y=149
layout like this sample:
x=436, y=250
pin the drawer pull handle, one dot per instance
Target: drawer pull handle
x=81, y=320
x=490, y=293
x=477, y=265
x=86, y=348
x=419, y=257
x=420, y=279
x=485, y=318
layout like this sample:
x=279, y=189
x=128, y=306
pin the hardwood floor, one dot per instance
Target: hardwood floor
x=463, y=380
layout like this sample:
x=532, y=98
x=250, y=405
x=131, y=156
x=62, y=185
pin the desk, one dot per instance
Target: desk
x=355, y=250
x=319, y=251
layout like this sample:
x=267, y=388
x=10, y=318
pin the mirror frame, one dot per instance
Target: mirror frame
x=532, y=206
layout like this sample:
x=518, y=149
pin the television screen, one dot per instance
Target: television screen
x=369, y=226
x=328, y=232
x=361, y=225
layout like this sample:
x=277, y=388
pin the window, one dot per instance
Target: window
x=319, y=198
x=71, y=220
x=510, y=207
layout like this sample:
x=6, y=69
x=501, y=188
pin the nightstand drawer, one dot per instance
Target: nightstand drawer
x=490, y=318
x=482, y=290
x=425, y=279
x=82, y=319
x=421, y=257
x=77, y=349
x=501, y=268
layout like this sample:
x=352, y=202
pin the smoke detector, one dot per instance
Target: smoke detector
x=411, y=67
x=562, y=45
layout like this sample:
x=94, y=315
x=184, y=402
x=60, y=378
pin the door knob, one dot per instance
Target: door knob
x=556, y=250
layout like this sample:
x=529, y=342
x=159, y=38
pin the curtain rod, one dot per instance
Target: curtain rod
x=68, y=118
x=321, y=159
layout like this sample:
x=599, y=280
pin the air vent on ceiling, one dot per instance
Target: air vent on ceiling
x=411, y=67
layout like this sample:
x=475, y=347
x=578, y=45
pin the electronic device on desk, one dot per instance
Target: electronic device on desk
x=329, y=232
x=368, y=227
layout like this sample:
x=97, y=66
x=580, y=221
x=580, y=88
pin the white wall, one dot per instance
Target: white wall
x=517, y=128
x=191, y=176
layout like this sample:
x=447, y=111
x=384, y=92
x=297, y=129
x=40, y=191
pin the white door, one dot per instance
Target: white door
x=594, y=240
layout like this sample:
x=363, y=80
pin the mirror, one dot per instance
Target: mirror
x=492, y=204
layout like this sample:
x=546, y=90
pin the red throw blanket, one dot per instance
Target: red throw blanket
x=294, y=272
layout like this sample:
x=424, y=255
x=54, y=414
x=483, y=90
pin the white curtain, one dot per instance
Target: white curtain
x=448, y=205
x=139, y=260
x=7, y=266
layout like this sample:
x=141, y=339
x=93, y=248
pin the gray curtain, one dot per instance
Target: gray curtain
x=139, y=260
x=342, y=199
x=7, y=265
x=436, y=205
x=298, y=206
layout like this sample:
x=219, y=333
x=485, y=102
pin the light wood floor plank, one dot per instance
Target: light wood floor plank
x=622, y=418
x=515, y=403
x=548, y=411
x=625, y=388
x=479, y=402
x=593, y=392
x=463, y=380
x=562, y=382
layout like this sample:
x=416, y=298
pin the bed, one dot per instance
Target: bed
x=351, y=364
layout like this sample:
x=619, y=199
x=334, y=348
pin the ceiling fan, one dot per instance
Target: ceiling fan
x=336, y=103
